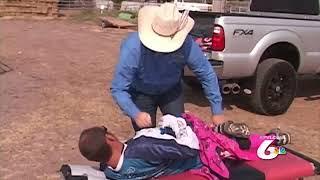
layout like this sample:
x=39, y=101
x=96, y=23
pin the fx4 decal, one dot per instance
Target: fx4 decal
x=243, y=32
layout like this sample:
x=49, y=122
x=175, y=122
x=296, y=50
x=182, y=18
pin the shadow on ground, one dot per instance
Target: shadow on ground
x=308, y=89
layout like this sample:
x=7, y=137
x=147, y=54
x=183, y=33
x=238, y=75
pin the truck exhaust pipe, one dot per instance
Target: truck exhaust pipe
x=226, y=89
x=233, y=88
x=236, y=89
x=247, y=91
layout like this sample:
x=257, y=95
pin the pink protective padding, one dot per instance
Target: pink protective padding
x=183, y=176
x=284, y=167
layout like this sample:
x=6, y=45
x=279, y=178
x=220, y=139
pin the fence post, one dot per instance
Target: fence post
x=218, y=5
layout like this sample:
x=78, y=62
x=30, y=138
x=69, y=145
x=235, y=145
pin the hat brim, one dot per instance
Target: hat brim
x=154, y=41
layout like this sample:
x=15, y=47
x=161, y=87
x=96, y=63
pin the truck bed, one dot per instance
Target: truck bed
x=197, y=15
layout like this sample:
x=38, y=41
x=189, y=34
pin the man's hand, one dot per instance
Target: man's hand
x=143, y=120
x=217, y=119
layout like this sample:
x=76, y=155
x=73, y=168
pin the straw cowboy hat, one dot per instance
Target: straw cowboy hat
x=164, y=28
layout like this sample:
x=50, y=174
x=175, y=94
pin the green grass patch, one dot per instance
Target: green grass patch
x=95, y=15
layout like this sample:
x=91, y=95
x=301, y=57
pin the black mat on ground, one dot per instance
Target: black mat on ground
x=4, y=68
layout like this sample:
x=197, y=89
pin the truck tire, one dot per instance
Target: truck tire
x=274, y=88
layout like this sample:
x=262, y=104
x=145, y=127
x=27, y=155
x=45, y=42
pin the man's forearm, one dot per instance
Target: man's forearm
x=212, y=91
x=201, y=67
x=125, y=103
x=216, y=108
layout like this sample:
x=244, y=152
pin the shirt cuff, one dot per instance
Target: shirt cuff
x=133, y=112
x=217, y=109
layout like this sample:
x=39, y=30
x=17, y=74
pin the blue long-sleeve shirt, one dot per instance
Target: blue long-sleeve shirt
x=154, y=73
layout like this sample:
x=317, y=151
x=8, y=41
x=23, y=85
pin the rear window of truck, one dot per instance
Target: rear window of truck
x=308, y=7
x=203, y=26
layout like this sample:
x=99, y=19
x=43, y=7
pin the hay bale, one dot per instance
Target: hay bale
x=29, y=7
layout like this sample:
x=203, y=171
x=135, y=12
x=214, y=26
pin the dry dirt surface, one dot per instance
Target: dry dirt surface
x=59, y=85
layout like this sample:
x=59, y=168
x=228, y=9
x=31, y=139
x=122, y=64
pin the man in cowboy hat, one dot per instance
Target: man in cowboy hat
x=148, y=74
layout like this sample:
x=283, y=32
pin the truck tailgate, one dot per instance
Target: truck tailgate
x=202, y=34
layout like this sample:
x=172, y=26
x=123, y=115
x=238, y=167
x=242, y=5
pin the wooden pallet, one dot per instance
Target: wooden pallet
x=115, y=22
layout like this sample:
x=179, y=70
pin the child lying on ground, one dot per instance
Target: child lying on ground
x=173, y=147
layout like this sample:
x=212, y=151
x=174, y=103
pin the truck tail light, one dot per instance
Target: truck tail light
x=218, y=38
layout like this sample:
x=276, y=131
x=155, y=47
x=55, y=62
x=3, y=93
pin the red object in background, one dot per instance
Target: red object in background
x=204, y=43
x=214, y=43
x=199, y=41
x=218, y=38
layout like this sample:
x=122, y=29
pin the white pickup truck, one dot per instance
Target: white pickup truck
x=261, y=52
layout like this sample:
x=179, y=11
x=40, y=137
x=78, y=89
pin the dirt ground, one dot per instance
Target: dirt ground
x=60, y=85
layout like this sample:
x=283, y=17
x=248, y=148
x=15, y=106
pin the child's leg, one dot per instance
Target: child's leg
x=254, y=141
x=251, y=143
x=237, y=130
x=281, y=138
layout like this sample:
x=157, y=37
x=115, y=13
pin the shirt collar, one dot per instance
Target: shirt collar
x=120, y=162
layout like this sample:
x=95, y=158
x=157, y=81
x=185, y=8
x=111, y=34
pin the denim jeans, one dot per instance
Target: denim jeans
x=170, y=102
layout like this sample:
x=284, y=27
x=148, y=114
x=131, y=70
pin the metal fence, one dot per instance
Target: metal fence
x=135, y=5
x=236, y=6
x=76, y=4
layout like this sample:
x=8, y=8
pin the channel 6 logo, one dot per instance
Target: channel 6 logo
x=266, y=151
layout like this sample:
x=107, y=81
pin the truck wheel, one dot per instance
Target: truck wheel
x=275, y=87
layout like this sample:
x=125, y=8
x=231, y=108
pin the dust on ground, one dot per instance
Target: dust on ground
x=60, y=85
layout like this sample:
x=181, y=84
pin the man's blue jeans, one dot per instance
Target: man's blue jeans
x=170, y=102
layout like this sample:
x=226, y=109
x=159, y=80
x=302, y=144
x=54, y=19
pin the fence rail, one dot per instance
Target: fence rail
x=77, y=4
x=237, y=6
x=229, y=6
